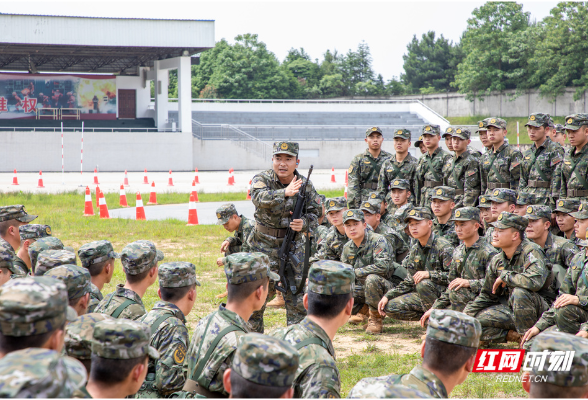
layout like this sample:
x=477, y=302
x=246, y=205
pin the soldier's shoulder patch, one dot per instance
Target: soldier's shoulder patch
x=528, y=158
x=389, y=170
x=472, y=173
x=259, y=185
x=515, y=164
x=350, y=170
x=555, y=160
x=180, y=354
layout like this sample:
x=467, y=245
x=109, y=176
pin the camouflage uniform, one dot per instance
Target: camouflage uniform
x=575, y=165
x=237, y=242
x=136, y=258
x=18, y=213
x=380, y=388
x=331, y=245
x=169, y=334
x=463, y=173
x=499, y=196
x=46, y=243
x=77, y=280
x=216, y=336
x=468, y=263
x=6, y=261
x=484, y=202
x=568, y=206
x=397, y=244
x=502, y=168
x=94, y=253
x=391, y=208
x=518, y=305
x=50, y=259
x=446, y=230
x=407, y=300
x=318, y=375
x=429, y=172
x=364, y=173
x=30, y=232
x=79, y=335
x=446, y=326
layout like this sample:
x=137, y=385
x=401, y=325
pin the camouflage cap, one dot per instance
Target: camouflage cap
x=418, y=143
x=573, y=351
x=568, y=205
x=402, y=133
x=225, y=212
x=122, y=339
x=373, y=129
x=380, y=388
x=538, y=120
x=559, y=128
x=248, y=267
x=34, y=231
x=482, y=126
x=77, y=279
x=16, y=212
x=449, y=131
x=96, y=252
x=265, y=360
x=331, y=277
x=79, y=335
x=582, y=212
x=510, y=220
x=575, y=121
x=462, y=133
x=177, y=274
x=496, y=122
x=336, y=204
x=454, y=327
x=550, y=123
x=49, y=259
x=289, y=148
x=418, y=213
x=353, y=214
x=443, y=193
x=538, y=212
x=525, y=198
x=46, y=243
x=431, y=129
x=372, y=206
x=502, y=195
x=31, y=306
x=6, y=262
x=40, y=373
x=466, y=214
x=139, y=256
x=484, y=202
x=400, y=184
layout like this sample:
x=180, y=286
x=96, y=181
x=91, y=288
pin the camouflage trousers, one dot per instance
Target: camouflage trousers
x=460, y=298
x=376, y=287
x=295, y=311
x=412, y=306
x=569, y=318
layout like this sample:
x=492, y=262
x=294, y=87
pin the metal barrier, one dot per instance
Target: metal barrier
x=75, y=115
x=54, y=113
x=72, y=129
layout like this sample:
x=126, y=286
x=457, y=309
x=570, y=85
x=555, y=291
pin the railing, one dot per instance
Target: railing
x=54, y=113
x=311, y=101
x=75, y=114
x=72, y=129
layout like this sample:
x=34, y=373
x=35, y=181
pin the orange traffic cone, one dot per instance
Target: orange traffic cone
x=192, y=213
x=152, y=195
x=170, y=181
x=98, y=197
x=249, y=191
x=333, y=175
x=123, y=197
x=196, y=175
x=345, y=193
x=15, y=179
x=145, y=180
x=96, y=177
x=103, y=207
x=194, y=192
x=40, y=184
x=89, y=208
x=140, y=215
x=346, y=178
x=126, y=181
x=231, y=178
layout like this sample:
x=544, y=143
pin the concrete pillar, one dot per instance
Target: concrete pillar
x=185, y=94
x=161, y=82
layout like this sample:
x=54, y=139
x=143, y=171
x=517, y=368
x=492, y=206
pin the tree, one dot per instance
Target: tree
x=332, y=85
x=307, y=72
x=330, y=64
x=356, y=67
x=295, y=54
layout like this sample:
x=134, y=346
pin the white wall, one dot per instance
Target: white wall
x=143, y=93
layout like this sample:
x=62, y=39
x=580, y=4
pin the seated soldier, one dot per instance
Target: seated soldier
x=98, y=257
x=581, y=225
x=427, y=264
x=263, y=367
x=216, y=336
x=77, y=281
x=29, y=235
x=524, y=200
x=331, y=246
x=468, y=267
x=11, y=218
x=442, y=205
x=372, y=216
x=120, y=354
x=564, y=219
x=485, y=212
x=509, y=303
x=372, y=258
x=7, y=269
x=502, y=200
x=49, y=259
x=79, y=335
x=40, y=245
x=448, y=352
x=328, y=300
x=398, y=197
x=546, y=382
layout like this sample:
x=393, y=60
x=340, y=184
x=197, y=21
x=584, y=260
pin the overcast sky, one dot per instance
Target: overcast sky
x=386, y=26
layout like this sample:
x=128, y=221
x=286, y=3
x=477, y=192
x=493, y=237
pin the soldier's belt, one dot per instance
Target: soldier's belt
x=369, y=186
x=278, y=233
x=459, y=191
x=496, y=185
x=539, y=184
x=192, y=387
x=433, y=184
x=577, y=193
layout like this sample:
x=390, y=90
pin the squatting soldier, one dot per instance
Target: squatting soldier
x=462, y=171
x=429, y=173
x=46, y=243
x=379, y=388
x=169, y=335
x=11, y=218
x=28, y=235
x=77, y=281
x=442, y=205
x=372, y=216
x=50, y=259
x=365, y=168
x=420, y=145
x=98, y=257
x=575, y=165
x=274, y=193
x=398, y=197
x=500, y=167
x=539, y=162
x=564, y=219
x=581, y=225
x=329, y=301
x=524, y=200
x=139, y=260
x=233, y=222
x=501, y=200
x=331, y=247
x=371, y=257
x=401, y=165
x=485, y=205
x=509, y=303
x=427, y=264
x=7, y=269
x=79, y=335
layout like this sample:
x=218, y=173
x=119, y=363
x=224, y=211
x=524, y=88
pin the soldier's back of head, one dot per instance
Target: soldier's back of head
x=330, y=288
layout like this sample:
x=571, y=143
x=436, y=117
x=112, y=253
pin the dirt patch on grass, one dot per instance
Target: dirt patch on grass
x=348, y=344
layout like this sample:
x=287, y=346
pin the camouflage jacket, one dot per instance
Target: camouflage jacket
x=468, y=263
x=364, y=170
x=578, y=162
x=391, y=170
x=95, y=298
x=21, y=265
x=463, y=173
x=559, y=251
x=317, y=375
x=434, y=257
x=526, y=269
x=206, y=331
x=165, y=376
x=114, y=300
x=423, y=380
x=446, y=230
x=506, y=168
x=316, y=238
x=395, y=239
x=429, y=169
x=373, y=256
x=238, y=242
x=331, y=246
x=539, y=164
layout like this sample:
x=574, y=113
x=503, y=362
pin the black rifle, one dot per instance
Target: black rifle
x=287, y=274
